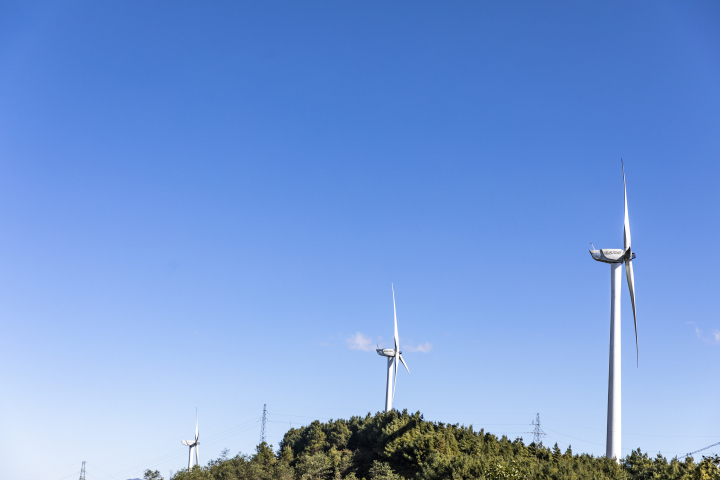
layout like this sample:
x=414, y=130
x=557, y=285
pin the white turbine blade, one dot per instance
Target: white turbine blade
x=196, y=425
x=631, y=286
x=626, y=231
x=197, y=454
x=403, y=362
x=397, y=338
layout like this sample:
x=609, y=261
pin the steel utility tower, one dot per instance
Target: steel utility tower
x=262, y=425
x=537, y=431
x=82, y=471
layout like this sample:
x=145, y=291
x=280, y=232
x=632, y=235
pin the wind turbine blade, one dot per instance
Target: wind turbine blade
x=397, y=338
x=196, y=425
x=406, y=367
x=626, y=231
x=631, y=286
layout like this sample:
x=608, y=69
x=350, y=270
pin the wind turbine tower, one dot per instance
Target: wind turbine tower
x=393, y=355
x=616, y=257
x=194, y=446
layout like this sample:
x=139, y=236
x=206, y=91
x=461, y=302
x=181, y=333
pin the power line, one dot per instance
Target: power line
x=48, y=473
x=581, y=439
x=246, y=426
x=632, y=434
x=211, y=440
x=157, y=446
x=696, y=451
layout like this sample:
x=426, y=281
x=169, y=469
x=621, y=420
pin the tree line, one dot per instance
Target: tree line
x=401, y=446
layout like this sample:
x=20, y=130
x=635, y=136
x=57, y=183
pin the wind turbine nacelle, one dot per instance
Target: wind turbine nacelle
x=386, y=352
x=608, y=255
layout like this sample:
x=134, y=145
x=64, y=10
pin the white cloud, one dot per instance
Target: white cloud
x=713, y=339
x=423, y=347
x=358, y=341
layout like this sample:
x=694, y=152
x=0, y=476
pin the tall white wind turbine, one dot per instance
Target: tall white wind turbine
x=194, y=446
x=616, y=257
x=393, y=355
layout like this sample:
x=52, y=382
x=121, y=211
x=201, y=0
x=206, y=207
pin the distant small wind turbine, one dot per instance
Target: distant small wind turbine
x=616, y=257
x=393, y=355
x=194, y=445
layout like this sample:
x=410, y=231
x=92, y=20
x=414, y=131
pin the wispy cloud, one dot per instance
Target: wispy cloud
x=422, y=348
x=358, y=341
x=713, y=339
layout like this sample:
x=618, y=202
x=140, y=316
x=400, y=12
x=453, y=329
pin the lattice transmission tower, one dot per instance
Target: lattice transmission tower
x=82, y=472
x=262, y=425
x=537, y=432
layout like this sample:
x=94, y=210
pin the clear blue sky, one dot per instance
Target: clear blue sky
x=201, y=204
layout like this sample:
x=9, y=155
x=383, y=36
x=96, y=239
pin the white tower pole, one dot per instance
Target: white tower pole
x=389, y=390
x=614, y=418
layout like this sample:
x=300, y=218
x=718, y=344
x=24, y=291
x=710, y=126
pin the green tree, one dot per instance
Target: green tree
x=708, y=469
x=556, y=453
x=498, y=471
x=313, y=467
x=399, y=445
x=383, y=471
x=264, y=455
x=152, y=475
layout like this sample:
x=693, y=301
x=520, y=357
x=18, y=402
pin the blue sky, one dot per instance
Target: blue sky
x=205, y=204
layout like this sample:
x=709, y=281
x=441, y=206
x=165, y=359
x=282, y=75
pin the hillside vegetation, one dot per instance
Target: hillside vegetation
x=397, y=445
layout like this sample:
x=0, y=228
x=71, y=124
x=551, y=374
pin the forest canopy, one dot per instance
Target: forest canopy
x=398, y=445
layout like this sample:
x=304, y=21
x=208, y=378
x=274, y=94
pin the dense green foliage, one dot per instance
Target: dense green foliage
x=397, y=445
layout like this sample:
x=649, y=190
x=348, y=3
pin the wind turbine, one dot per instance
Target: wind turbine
x=616, y=257
x=194, y=445
x=393, y=355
